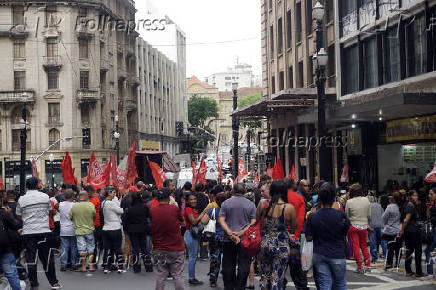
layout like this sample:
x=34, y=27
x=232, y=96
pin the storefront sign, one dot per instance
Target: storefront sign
x=422, y=128
x=149, y=145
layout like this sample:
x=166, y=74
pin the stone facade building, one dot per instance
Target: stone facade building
x=73, y=64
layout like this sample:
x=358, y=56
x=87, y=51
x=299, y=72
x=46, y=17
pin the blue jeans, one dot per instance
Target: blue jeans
x=375, y=239
x=9, y=267
x=428, y=257
x=329, y=273
x=192, y=245
x=69, y=245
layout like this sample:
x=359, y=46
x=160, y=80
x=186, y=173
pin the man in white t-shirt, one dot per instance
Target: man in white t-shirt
x=68, y=238
x=34, y=208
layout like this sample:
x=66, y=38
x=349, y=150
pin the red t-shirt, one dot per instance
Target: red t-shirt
x=189, y=211
x=300, y=209
x=96, y=202
x=165, y=228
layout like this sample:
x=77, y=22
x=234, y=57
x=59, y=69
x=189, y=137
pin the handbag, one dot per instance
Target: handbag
x=196, y=230
x=210, y=228
x=252, y=238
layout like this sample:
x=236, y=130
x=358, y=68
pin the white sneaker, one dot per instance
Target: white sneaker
x=121, y=271
x=426, y=278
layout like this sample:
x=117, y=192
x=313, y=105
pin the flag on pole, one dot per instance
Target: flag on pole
x=132, y=173
x=35, y=172
x=118, y=177
x=345, y=176
x=277, y=171
x=202, y=170
x=2, y=185
x=292, y=174
x=431, y=177
x=242, y=173
x=158, y=173
x=220, y=169
x=68, y=170
x=98, y=175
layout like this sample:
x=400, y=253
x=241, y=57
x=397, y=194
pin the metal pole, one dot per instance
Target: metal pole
x=23, y=138
x=117, y=142
x=320, y=83
x=248, y=148
x=235, y=127
x=52, y=174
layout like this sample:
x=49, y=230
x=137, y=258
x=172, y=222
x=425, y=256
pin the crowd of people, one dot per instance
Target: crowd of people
x=159, y=229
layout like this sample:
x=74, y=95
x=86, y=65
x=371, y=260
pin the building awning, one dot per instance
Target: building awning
x=283, y=102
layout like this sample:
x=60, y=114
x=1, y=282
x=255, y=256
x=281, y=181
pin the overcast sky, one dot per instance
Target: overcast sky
x=211, y=21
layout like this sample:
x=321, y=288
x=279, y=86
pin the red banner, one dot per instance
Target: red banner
x=35, y=172
x=220, y=169
x=98, y=175
x=158, y=174
x=277, y=171
x=2, y=185
x=242, y=173
x=202, y=170
x=345, y=176
x=132, y=173
x=68, y=170
x=292, y=174
x=431, y=177
x=118, y=177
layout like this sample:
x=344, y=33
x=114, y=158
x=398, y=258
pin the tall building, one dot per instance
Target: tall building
x=160, y=99
x=288, y=81
x=387, y=89
x=73, y=65
x=242, y=74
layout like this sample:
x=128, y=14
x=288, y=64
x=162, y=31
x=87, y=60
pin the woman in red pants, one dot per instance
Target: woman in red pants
x=358, y=210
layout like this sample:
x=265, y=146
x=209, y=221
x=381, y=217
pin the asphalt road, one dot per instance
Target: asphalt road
x=377, y=279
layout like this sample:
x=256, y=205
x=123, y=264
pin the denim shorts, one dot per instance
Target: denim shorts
x=85, y=243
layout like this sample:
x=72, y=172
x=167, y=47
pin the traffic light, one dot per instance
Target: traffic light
x=179, y=129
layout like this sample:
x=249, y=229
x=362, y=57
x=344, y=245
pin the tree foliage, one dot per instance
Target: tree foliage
x=245, y=101
x=201, y=109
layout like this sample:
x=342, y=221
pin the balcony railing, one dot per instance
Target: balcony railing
x=12, y=30
x=53, y=120
x=20, y=96
x=131, y=105
x=87, y=96
x=122, y=74
x=104, y=65
x=52, y=62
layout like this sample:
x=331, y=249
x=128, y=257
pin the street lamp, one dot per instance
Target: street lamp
x=23, y=139
x=235, y=128
x=248, y=147
x=51, y=158
x=117, y=139
x=320, y=60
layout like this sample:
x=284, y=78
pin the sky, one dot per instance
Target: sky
x=212, y=21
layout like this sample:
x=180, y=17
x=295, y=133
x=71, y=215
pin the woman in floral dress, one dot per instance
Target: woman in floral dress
x=277, y=215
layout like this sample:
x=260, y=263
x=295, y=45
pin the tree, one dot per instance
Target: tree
x=245, y=101
x=201, y=109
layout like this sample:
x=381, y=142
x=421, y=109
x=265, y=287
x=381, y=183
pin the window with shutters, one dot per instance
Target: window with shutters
x=53, y=136
x=19, y=80
x=54, y=113
x=19, y=49
x=83, y=48
x=53, y=80
x=52, y=47
x=18, y=15
x=84, y=80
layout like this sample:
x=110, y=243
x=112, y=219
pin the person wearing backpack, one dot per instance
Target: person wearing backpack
x=7, y=258
x=215, y=242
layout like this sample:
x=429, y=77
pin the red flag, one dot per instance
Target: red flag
x=431, y=177
x=256, y=180
x=277, y=171
x=220, y=169
x=35, y=172
x=242, y=173
x=68, y=170
x=132, y=173
x=345, y=177
x=98, y=176
x=202, y=170
x=194, y=173
x=118, y=177
x=269, y=171
x=292, y=174
x=158, y=174
x=2, y=185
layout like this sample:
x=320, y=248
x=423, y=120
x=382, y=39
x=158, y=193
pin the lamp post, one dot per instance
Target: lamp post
x=51, y=158
x=320, y=60
x=117, y=139
x=23, y=139
x=248, y=147
x=235, y=128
